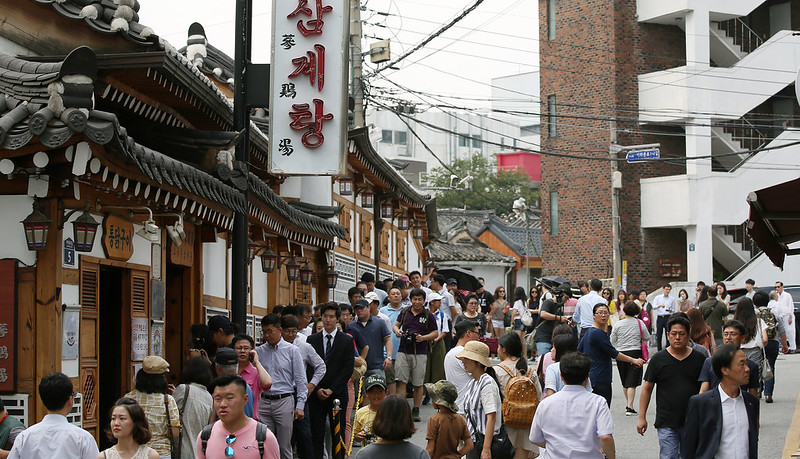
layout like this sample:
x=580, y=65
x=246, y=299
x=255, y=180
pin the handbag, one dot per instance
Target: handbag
x=174, y=454
x=645, y=350
x=766, y=368
x=501, y=444
x=527, y=318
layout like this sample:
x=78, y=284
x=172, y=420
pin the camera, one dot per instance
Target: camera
x=410, y=338
x=198, y=343
x=370, y=437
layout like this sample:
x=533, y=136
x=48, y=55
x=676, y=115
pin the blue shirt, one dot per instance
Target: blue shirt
x=393, y=313
x=595, y=342
x=584, y=309
x=374, y=332
x=248, y=407
x=285, y=364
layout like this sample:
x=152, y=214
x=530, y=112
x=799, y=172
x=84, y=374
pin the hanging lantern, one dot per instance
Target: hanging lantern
x=85, y=229
x=37, y=228
x=251, y=250
x=292, y=270
x=333, y=277
x=268, y=260
x=367, y=200
x=306, y=274
x=402, y=223
x=386, y=209
x=345, y=187
x=417, y=232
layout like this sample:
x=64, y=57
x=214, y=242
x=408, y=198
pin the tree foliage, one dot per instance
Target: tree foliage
x=491, y=189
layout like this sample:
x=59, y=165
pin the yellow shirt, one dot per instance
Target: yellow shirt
x=363, y=421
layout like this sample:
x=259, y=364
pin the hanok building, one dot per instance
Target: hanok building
x=118, y=162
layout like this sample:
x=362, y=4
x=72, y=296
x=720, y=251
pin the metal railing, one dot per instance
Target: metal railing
x=749, y=136
x=741, y=236
x=743, y=36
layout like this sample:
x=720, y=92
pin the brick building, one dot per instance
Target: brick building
x=628, y=73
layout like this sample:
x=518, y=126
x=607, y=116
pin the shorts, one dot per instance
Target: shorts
x=390, y=377
x=518, y=324
x=411, y=368
x=498, y=324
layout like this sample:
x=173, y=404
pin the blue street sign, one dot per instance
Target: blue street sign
x=638, y=156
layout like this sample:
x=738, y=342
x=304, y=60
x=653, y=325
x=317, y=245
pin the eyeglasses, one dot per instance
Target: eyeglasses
x=269, y=331
x=229, y=452
x=731, y=334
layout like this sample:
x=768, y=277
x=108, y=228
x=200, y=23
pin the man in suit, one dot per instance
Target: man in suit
x=337, y=350
x=724, y=420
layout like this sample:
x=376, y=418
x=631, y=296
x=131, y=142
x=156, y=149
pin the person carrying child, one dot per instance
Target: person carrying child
x=446, y=429
x=375, y=388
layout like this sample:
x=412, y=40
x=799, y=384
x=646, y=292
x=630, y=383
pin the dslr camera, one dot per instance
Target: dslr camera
x=409, y=338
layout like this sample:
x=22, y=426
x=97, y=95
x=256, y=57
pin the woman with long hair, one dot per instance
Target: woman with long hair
x=393, y=427
x=755, y=337
x=482, y=400
x=722, y=294
x=472, y=313
x=619, y=303
x=608, y=294
x=627, y=337
x=534, y=300
x=159, y=407
x=500, y=311
x=701, y=333
x=684, y=303
x=129, y=431
x=512, y=363
x=520, y=306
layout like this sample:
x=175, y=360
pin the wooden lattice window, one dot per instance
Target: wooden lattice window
x=344, y=221
x=400, y=258
x=385, y=236
x=365, y=237
x=139, y=297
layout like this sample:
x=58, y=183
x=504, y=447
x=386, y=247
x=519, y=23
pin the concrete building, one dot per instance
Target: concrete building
x=709, y=82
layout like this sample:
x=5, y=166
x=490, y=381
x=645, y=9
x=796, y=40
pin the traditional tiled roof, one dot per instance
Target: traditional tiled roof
x=207, y=57
x=445, y=252
x=450, y=219
x=516, y=238
x=106, y=16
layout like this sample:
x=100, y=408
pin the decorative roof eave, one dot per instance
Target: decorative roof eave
x=360, y=148
x=289, y=221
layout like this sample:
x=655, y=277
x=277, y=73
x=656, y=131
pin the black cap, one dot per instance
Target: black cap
x=451, y=281
x=226, y=356
x=564, y=289
x=217, y=322
x=362, y=303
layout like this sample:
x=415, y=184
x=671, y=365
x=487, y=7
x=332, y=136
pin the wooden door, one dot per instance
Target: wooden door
x=89, y=341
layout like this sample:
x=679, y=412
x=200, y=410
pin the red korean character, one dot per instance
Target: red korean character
x=311, y=26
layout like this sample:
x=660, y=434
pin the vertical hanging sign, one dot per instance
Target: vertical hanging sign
x=308, y=97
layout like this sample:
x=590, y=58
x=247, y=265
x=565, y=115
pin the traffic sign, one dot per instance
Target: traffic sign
x=638, y=156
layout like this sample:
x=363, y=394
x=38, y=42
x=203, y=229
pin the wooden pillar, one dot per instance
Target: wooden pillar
x=48, y=305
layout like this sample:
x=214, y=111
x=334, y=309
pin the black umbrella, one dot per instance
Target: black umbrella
x=554, y=281
x=466, y=280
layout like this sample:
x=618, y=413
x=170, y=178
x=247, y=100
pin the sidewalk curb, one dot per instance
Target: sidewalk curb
x=791, y=446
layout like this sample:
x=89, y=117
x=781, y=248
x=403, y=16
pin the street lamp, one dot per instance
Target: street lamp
x=251, y=250
x=367, y=199
x=333, y=277
x=268, y=260
x=387, y=210
x=84, y=229
x=292, y=270
x=37, y=228
x=417, y=233
x=306, y=273
x=402, y=223
x=345, y=187
x=521, y=209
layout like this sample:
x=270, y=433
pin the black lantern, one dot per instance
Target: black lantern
x=251, y=250
x=306, y=273
x=386, y=209
x=333, y=277
x=85, y=229
x=345, y=187
x=292, y=270
x=417, y=232
x=402, y=223
x=37, y=228
x=268, y=260
x=367, y=200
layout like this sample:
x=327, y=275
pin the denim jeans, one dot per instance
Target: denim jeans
x=543, y=348
x=661, y=328
x=772, y=349
x=669, y=442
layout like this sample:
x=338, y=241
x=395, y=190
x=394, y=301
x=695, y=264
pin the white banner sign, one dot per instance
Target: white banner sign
x=308, y=99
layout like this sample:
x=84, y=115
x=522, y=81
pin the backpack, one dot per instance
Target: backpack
x=769, y=318
x=521, y=400
x=261, y=436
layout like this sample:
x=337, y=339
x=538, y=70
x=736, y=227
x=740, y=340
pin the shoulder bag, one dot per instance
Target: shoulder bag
x=645, y=349
x=174, y=454
x=766, y=368
x=501, y=445
x=177, y=447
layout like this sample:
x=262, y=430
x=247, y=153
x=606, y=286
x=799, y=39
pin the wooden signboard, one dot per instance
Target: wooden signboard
x=670, y=267
x=183, y=255
x=117, y=238
x=8, y=302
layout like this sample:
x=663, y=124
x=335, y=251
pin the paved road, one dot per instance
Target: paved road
x=775, y=417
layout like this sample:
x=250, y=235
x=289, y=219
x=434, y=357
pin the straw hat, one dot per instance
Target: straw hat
x=477, y=351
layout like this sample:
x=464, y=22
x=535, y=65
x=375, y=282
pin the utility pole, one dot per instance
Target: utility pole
x=356, y=59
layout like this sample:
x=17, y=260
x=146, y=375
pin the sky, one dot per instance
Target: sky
x=498, y=38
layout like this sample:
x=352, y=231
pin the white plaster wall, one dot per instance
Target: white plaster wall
x=665, y=11
x=292, y=187
x=214, y=272
x=764, y=272
x=15, y=209
x=259, y=284
x=317, y=190
x=14, y=49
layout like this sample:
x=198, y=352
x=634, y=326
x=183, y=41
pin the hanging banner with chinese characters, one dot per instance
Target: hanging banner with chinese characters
x=308, y=98
x=8, y=309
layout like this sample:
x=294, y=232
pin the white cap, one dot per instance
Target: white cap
x=433, y=296
x=371, y=296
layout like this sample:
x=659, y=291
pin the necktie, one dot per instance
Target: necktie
x=328, y=346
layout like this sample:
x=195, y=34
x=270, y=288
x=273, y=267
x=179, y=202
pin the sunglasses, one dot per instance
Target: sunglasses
x=229, y=452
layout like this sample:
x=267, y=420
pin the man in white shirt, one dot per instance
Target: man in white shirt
x=55, y=437
x=786, y=311
x=723, y=422
x=449, y=306
x=466, y=331
x=664, y=306
x=750, y=285
x=554, y=427
x=415, y=279
x=584, y=310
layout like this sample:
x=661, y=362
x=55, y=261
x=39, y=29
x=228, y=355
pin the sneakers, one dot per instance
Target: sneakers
x=426, y=400
x=630, y=411
x=415, y=415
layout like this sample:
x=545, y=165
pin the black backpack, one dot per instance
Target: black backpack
x=261, y=436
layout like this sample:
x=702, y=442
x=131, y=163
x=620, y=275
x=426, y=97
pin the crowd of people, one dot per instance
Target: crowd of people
x=326, y=380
